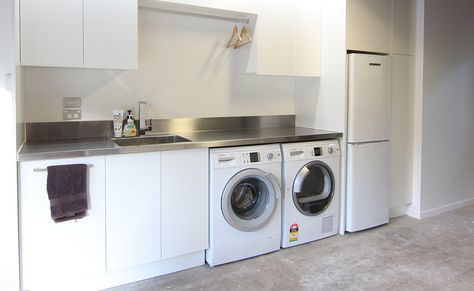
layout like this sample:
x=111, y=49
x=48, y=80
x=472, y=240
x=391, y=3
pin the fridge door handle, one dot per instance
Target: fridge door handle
x=367, y=142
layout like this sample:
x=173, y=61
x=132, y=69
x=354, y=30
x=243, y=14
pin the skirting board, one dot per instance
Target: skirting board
x=150, y=270
x=446, y=208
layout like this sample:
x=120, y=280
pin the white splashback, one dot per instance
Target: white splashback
x=184, y=71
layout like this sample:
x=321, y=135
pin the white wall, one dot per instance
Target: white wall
x=447, y=169
x=184, y=71
x=9, y=270
x=321, y=102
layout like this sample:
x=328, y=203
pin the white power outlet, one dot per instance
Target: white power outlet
x=72, y=114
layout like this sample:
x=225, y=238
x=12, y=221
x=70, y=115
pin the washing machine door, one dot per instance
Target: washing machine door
x=313, y=188
x=249, y=199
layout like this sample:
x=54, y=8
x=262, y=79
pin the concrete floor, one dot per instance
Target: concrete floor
x=432, y=254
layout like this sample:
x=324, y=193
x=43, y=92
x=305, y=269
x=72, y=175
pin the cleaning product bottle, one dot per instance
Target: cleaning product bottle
x=130, y=129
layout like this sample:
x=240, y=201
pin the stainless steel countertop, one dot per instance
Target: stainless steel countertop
x=72, y=148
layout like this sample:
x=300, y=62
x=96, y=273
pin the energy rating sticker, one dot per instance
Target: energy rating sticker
x=294, y=232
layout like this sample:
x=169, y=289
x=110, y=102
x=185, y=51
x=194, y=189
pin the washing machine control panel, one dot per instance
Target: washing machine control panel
x=245, y=158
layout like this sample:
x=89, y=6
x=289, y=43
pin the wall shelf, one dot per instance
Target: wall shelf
x=197, y=10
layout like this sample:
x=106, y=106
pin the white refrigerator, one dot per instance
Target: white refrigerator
x=368, y=141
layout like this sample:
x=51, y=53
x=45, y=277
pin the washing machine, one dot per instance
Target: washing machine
x=310, y=200
x=244, y=202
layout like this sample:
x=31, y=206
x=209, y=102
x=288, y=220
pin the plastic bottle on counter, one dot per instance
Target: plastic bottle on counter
x=130, y=129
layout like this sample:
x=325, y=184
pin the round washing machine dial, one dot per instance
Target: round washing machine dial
x=330, y=150
x=270, y=156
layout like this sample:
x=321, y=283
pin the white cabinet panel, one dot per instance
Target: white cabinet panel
x=133, y=210
x=287, y=38
x=403, y=27
x=306, y=38
x=272, y=38
x=402, y=106
x=111, y=34
x=79, y=33
x=369, y=25
x=51, y=33
x=184, y=176
x=65, y=252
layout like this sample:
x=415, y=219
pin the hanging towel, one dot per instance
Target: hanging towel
x=67, y=191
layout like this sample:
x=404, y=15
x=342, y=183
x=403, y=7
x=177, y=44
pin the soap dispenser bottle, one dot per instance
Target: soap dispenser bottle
x=129, y=128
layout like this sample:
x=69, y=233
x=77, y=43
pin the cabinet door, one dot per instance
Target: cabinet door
x=51, y=33
x=184, y=176
x=369, y=25
x=306, y=38
x=65, y=252
x=402, y=128
x=133, y=210
x=271, y=49
x=404, y=27
x=111, y=34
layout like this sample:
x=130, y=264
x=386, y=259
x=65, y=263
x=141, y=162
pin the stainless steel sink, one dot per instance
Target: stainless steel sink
x=148, y=140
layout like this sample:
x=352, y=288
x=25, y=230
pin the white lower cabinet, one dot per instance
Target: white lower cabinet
x=148, y=215
x=133, y=220
x=59, y=255
x=184, y=197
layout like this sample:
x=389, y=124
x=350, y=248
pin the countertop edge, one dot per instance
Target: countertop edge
x=26, y=157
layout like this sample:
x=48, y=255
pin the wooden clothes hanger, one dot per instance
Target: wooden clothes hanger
x=235, y=32
x=243, y=33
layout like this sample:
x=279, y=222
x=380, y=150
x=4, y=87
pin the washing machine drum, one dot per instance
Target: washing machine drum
x=313, y=188
x=249, y=199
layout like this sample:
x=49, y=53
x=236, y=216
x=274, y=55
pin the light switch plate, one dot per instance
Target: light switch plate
x=72, y=102
x=72, y=114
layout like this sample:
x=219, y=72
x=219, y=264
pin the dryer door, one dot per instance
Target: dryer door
x=313, y=188
x=250, y=199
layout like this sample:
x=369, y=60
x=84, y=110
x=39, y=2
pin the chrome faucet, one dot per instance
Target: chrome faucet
x=143, y=106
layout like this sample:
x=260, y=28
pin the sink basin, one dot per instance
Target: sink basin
x=149, y=140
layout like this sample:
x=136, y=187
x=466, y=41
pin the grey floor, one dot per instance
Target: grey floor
x=407, y=254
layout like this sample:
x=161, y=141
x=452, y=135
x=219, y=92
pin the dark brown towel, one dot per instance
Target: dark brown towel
x=67, y=191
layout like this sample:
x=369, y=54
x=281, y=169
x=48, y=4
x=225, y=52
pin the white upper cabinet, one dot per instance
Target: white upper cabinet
x=79, y=33
x=111, y=34
x=369, y=25
x=403, y=27
x=306, y=38
x=287, y=38
x=272, y=38
x=51, y=33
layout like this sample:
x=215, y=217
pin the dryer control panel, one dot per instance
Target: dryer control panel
x=246, y=156
x=310, y=150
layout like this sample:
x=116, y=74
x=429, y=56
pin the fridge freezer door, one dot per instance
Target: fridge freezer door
x=369, y=98
x=368, y=173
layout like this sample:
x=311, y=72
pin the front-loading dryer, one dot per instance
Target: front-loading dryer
x=310, y=200
x=244, y=202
